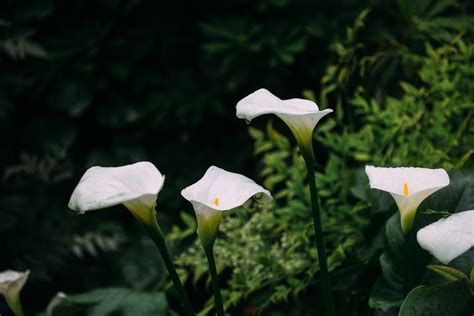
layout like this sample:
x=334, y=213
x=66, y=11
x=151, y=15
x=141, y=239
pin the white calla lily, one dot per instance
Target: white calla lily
x=11, y=283
x=408, y=187
x=449, y=237
x=136, y=186
x=57, y=301
x=300, y=115
x=218, y=191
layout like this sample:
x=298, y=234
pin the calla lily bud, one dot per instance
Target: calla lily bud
x=216, y=192
x=300, y=115
x=408, y=187
x=55, y=305
x=136, y=186
x=449, y=237
x=11, y=283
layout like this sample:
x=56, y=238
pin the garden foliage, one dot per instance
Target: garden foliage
x=269, y=253
x=115, y=82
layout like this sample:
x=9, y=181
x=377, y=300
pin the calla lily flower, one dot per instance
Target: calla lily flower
x=11, y=283
x=136, y=186
x=54, y=306
x=408, y=187
x=449, y=237
x=300, y=115
x=216, y=192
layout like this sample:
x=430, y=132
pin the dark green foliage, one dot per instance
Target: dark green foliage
x=112, y=82
x=429, y=125
x=425, y=123
x=270, y=252
x=451, y=299
x=119, y=301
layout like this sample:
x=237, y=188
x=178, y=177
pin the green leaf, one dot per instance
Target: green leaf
x=384, y=297
x=121, y=301
x=455, y=198
x=464, y=262
x=451, y=299
x=402, y=265
x=448, y=273
x=439, y=6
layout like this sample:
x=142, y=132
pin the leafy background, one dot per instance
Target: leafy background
x=112, y=82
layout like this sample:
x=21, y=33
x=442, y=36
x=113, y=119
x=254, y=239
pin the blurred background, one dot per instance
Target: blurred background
x=112, y=82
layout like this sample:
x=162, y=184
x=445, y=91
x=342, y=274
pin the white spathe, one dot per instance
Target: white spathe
x=449, y=237
x=11, y=283
x=55, y=303
x=408, y=186
x=300, y=115
x=136, y=186
x=10, y=279
x=218, y=191
x=221, y=190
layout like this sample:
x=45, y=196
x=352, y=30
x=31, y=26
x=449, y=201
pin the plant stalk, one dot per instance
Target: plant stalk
x=155, y=233
x=215, y=281
x=323, y=265
x=19, y=309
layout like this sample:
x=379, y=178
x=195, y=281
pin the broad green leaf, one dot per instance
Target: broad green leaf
x=403, y=265
x=455, y=198
x=121, y=301
x=451, y=299
x=384, y=297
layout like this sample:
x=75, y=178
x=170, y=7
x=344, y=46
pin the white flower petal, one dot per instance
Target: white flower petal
x=414, y=200
x=392, y=180
x=221, y=190
x=299, y=114
x=263, y=101
x=11, y=283
x=408, y=186
x=9, y=276
x=448, y=238
x=136, y=186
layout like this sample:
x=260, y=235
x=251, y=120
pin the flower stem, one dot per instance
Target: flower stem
x=156, y=235
x=215, y=281
x=323, y=265
x=18, y=310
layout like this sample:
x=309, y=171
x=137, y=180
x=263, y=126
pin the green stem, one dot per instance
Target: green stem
x=156, y=235
x=215, y=281
x=19, y=309
x=323, y=265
